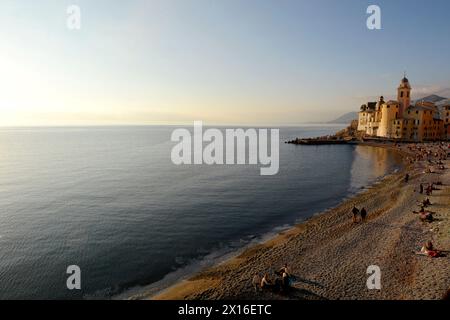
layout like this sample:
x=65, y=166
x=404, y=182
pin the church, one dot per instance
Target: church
x=401, y=120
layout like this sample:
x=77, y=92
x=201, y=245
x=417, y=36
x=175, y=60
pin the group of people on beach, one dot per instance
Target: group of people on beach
x=359, y=213
x=425, y=215
x=429, y=189
x=280, y=282
x=433, y=155
x=436, y=151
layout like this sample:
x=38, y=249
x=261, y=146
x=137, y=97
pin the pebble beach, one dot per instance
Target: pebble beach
x=329, y=254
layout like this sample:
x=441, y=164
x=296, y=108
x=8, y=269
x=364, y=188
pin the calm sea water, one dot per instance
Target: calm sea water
x=110, y=201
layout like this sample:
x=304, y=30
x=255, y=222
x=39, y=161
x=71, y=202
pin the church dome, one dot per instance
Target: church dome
x=405, y=83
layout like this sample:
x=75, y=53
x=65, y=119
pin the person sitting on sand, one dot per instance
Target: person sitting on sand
x=286, y=282
x=426, y=202
x=422, y=209
x=430, y=170
x=355, y=213
x=363, y=214
x=284, y=269
x=256, y=282
x=266, y=283
x=426, y=217
x=428, y=249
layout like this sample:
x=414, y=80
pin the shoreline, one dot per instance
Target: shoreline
x=231, y=278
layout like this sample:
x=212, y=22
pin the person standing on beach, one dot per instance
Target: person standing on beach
x=363, y=214
x=355, y=213
x=421, y=188
x=430, y=190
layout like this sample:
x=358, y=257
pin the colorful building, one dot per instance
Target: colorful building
x=400, y=120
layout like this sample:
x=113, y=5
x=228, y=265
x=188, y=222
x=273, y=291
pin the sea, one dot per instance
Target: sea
x=110, y=201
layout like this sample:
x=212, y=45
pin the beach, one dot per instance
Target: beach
x=329, y=254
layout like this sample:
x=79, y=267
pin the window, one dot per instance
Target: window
x=407, y=95
x=401, y=94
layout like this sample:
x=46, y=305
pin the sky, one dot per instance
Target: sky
x=242, y=62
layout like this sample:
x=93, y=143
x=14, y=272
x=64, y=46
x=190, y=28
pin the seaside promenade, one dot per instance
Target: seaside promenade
x=329, y=254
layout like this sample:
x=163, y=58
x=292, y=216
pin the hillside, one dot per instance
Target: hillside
x=431, y=98
x=346, y=118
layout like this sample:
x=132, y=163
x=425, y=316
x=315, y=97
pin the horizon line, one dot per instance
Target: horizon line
x=173, y=125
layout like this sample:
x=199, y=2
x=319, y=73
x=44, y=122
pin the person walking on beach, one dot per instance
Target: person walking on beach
x=363, y=214
x=355, y=213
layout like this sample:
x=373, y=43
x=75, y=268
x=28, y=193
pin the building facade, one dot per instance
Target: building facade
x=401, y=120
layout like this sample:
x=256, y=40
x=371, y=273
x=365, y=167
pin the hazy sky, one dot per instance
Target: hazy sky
x=220, y=61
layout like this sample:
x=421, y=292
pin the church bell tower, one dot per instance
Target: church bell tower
x=404, y=95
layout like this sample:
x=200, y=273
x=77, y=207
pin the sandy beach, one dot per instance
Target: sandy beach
x=329, y=254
